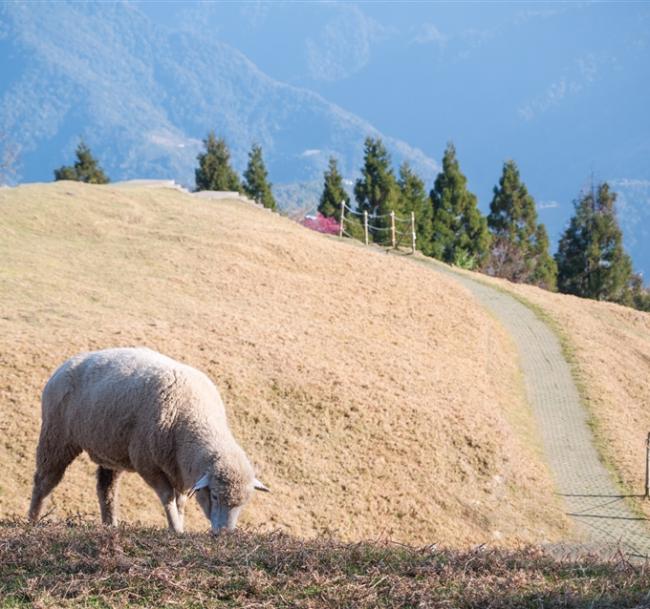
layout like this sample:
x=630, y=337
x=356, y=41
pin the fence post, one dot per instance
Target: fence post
x=413, y=231
x=647, y=467
x=365, y=225
x=392, y=227
x=342, y=218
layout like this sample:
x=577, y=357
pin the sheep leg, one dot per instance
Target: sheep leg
x=51, y=463
x=167, y=495
x=181, y=500
x=171, y=510
x=107, y=485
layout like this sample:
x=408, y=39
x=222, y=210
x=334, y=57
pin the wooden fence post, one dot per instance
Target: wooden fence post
x=647, y=467
x=413, y=231
x=392, y=227
x=342, y=218
x=365, y=225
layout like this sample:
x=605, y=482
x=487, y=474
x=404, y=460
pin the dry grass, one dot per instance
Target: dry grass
x=78, y=565
x=609, y=347
x=375, y=397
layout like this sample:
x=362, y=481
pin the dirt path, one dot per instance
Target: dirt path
x=591, y=497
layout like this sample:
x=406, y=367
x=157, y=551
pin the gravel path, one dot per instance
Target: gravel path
x=591, y=497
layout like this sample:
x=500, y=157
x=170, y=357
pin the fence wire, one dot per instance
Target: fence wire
x=352, y=211
x=374, y=216
x=395, y=234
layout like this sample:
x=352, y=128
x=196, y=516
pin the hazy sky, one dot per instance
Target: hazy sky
x=562, y=88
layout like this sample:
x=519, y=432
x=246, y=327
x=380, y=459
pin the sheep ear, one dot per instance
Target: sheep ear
x=258, y=486
x=202, y=482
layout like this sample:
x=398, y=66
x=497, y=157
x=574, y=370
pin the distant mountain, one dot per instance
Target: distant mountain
x=143, y=92
x=143, y=96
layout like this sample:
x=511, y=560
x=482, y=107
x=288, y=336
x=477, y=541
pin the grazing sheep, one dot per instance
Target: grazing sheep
x=138, y=410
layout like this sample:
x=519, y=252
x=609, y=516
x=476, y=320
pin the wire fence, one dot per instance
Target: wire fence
x=385, y=229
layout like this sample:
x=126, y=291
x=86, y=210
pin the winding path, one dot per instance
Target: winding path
x=591, y=497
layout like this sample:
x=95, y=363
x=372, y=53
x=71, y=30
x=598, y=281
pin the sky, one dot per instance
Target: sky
x=561, y=88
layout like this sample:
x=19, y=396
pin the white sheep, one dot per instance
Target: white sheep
x=136, y=410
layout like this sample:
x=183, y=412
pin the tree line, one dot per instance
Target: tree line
x=509, y=242
x=214, y=171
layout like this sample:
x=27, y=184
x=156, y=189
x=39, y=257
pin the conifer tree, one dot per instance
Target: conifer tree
x=86, y=168
x=66, y=172
x=376, y=191
x=459, y=230
x=591, y=260
x=544, y=273
x=519, y=249
x=637, y=295
x=333, y=192
x=214, y=171
x=256, y=184
x=413, y=198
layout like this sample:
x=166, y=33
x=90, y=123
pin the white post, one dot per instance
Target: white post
x=392, y=227
x=365, y=225
x=413, y=231
x=647, y=467
x=342, y=218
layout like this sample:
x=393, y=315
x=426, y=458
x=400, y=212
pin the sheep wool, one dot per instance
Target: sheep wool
x=133, y=409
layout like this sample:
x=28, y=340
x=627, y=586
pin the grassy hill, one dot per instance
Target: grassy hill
x=375, y=397
x=89, y=566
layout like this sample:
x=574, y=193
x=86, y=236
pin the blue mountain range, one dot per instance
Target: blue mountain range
x=143, y=86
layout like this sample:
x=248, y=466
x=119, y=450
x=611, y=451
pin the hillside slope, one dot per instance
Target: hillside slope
x=376, y=398
x=609, y=347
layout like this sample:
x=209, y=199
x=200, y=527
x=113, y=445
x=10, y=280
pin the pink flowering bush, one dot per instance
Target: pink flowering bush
x=322, y=224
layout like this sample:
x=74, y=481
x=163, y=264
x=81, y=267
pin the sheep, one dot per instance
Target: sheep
x=133, y=409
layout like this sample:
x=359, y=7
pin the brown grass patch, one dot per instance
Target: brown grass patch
x=376, y=398
x=77, y=565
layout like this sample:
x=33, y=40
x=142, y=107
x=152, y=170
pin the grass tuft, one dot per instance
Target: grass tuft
x=76, y=564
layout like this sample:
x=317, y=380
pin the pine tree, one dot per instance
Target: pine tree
x=413, y=198
x=333, y=192
x=256, y=184
x=86, y=168
x=637, y=295
x=66, y=172
x=544, y=274
x=376, y=191
x=519, y=250
x=459, y=230
x=591, y=260
x=214, y=171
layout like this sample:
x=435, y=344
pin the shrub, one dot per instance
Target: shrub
x=322, y=224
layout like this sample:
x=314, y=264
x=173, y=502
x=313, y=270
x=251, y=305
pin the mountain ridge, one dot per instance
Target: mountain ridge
x=144, y=94
x=139, y=94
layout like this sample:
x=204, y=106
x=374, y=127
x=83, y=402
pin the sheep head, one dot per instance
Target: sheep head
x=222, y=495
